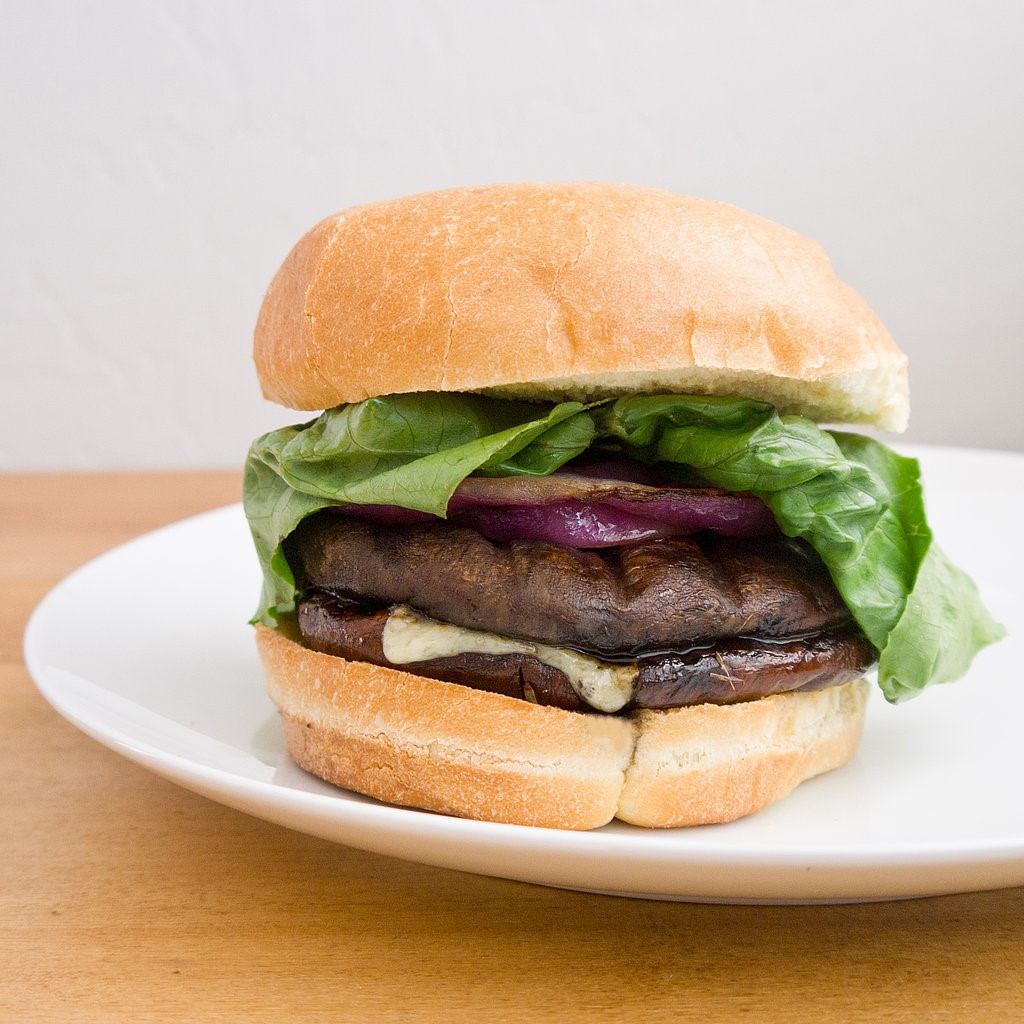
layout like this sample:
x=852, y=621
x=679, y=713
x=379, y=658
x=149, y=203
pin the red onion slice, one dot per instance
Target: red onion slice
x=726, y=512
x=582, y=512
x=570, y=522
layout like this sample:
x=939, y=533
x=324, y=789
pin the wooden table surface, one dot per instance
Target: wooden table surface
x=126, y=898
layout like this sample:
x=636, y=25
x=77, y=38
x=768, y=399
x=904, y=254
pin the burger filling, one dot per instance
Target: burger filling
x=648, y=551
x=660, y=623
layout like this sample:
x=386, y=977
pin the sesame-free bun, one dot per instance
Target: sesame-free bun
x=578, y=290
x=439, y=746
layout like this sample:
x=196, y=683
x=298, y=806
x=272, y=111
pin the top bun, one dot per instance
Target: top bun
x=577, y=290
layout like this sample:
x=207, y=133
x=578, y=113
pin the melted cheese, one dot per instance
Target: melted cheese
x=409, y=637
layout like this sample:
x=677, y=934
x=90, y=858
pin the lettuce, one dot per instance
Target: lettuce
x=856, y=502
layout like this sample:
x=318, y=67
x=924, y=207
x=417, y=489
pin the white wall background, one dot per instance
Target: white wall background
x=158, y=160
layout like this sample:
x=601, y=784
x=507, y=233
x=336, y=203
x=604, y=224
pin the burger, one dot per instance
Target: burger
x=566, y=542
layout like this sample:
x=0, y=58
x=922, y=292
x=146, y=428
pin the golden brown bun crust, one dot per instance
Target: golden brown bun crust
x=572, y=291
x=434, y=745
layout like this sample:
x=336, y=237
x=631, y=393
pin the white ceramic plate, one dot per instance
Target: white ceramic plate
x=147, y=650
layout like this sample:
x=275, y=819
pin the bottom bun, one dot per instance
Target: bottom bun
x=420, y=742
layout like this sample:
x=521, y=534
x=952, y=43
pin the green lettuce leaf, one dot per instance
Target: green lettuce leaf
x=407, y=450
x=856, y=502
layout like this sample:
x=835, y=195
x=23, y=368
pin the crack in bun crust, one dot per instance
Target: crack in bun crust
x=423, y=743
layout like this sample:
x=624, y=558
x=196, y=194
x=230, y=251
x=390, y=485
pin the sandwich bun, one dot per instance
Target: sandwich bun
x=574, y=291
x=420, y=742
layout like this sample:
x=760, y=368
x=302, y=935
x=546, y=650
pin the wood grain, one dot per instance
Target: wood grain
x=125, y=898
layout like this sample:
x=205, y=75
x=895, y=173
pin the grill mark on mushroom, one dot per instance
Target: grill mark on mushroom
x=618, y=603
